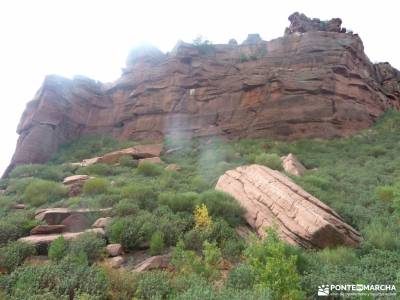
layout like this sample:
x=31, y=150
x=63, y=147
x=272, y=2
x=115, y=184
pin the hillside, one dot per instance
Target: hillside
x=314, y=82
x=158, y=211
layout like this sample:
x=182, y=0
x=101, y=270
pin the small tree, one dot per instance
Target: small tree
x=202, y=219
x=58, y=249
x=157, y=243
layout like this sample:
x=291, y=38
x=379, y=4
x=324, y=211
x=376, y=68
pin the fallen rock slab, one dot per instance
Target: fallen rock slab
x=152, y=263
x=55, y=216
x=47, y=229
x=137, y=152
x=116, y=262
x=75, y=222
x=292, y=165
x=19, y=206
x=272, y=199
x=46, y=239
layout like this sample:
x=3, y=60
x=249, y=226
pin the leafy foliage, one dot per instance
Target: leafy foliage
x=40, y=191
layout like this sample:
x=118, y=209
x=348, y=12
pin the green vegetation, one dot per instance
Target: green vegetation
x=205, y=47
x=40, y=191
x=180, y=212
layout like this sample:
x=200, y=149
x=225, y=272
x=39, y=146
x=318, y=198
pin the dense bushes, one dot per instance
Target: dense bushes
x=150, y=169
x=67, y=280
x=14, y=253
x=58, y=249
x=39, y=192
x=90, y=244
x=47, y=172
x=15, y=225
x=96, y=186
x=270, y=160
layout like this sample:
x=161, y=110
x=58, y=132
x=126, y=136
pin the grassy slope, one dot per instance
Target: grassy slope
x=359, y=177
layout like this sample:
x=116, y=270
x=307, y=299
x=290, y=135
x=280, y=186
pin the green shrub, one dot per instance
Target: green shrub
x=179, y=201
x=205, y=47
x=274, y=269
x=270, y=160
x=385, y=193
x=14, y=253
x=221, y=204
x=58, y=249
x=100, y=169
x=128, y=161
x=47, y=172
x=241, y=277
x=126, y=207
x=96, y=186
x=337, y=256
x=16, y=225
x=377, y=151
x=153, y=285
x=150, y=169
x=131, y=232
x=65, y=280
x=212, y=259
x=39, y=192
x=381, y=237
x=157, y=243
x=144, y=195
x=90, y=244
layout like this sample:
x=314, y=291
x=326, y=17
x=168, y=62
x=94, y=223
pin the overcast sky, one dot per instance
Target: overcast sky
x=92, y=38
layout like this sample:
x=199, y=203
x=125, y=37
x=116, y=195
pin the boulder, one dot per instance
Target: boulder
x=173, y=167
x=114, y=249
x=154, y=160
x=272, y=199
x=152, y=263
x=47, y=229
x=55, y=216
x=116, y=262
x=75, y=184
x=102, y=222
x=75, y=222
x=19, y=206
x=292, y=165
x=39, y=240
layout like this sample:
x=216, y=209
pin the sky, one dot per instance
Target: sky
x=93, y=37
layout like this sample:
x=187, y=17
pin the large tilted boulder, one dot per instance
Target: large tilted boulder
x=272, y=199
x=152, y=263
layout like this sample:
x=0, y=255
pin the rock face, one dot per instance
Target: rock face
x=292, y=165
x=55, y=216
x=75, y=184
x=315, y=81
x=152, y=263
x=47, y=229
x=272, y=199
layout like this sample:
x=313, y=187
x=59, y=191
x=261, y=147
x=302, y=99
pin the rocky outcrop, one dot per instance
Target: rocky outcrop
x=75, y=184
x=272, y=199
x=114, y=250
x=55, y=216
x=47, y=229
x=152, y=263
x=315, y=81
x=292, y=165
x=102, y=222
x=43, y=240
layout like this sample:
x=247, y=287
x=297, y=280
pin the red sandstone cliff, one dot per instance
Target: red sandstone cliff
x=315, y=81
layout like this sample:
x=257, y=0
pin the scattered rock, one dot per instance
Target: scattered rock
x=19, y=206
x=154, y=160
x=292, y=165
x=46, y=239
x=154, y=262
x=116, y=262
x=75, y=184
x=173, y=167
x=75, y=223
x=102, y=222
x=47, y=229
x=55, y=216
x=114, y=249
x=270, y=198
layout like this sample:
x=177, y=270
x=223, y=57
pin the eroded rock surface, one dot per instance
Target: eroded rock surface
x=272, y=199
x=292, y=165
x=315, y=81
